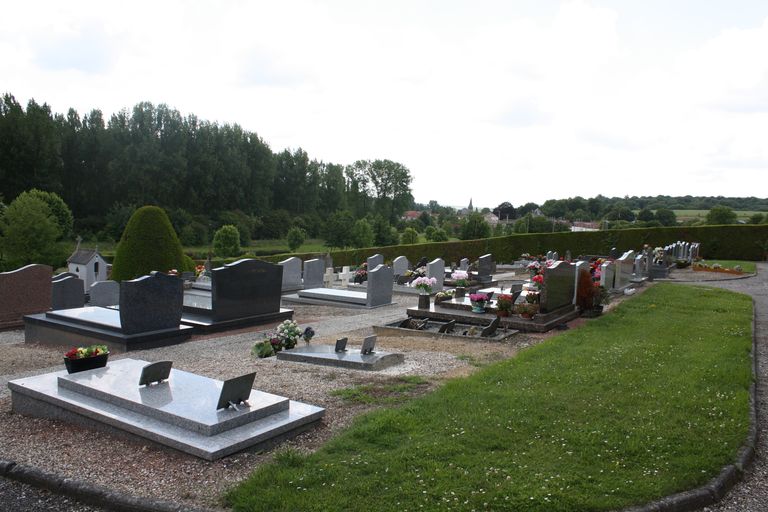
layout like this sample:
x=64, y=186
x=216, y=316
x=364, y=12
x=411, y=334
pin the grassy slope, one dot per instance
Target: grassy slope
x=633, y=406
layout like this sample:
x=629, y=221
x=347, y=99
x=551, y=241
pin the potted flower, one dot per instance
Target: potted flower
x=478, y=301
x=461, y=281
x=79, y=359
x=504, y=305
x=285, y=337
x=527, y=310
x=443, y=296
x=538, y=281
x=424, y=285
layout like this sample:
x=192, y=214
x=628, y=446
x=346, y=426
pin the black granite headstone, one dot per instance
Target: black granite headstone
x=151, y=303
x=67, y=293
x=245, y=288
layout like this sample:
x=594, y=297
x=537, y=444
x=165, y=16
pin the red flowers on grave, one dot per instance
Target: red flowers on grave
x=538, y=280
x=84, y=352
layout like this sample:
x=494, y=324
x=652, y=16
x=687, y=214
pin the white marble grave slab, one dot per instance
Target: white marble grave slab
x=331, y=294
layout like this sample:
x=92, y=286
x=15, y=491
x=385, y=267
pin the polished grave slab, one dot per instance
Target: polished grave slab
x=179, y=413
x=351, y=358
x=93, y=325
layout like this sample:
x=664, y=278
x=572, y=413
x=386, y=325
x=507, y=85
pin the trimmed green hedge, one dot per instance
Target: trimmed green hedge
x=733, y=242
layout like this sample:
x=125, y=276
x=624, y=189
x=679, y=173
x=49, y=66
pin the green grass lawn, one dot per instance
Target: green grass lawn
x=683, y=215
x=746, y=266
x=632, y=406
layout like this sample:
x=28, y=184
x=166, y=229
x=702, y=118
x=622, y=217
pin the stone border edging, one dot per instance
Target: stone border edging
x=718, y=280
x=718, y=487
x=86, y=492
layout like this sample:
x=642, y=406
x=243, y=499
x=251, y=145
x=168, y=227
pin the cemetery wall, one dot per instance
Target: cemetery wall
x=745, y=242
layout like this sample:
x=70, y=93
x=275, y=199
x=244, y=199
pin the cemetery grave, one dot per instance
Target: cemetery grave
x=378, y=293
x=342, y=355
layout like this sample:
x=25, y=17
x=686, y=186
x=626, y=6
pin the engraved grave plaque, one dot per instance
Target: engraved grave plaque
x=236, y=391
x=447, y=327
x=368, y=343
x=155, y=372
x=490, y=330
x=341, y=345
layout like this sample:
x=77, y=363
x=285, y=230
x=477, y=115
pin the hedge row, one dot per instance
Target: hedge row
x=731, y=242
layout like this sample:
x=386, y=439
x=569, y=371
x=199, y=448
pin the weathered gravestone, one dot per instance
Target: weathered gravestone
x=379, y=286
x=559, y=285
x=400, y=265
x=151, y=303
x=313, y=273
x=24, y=291
x=436, y=269
x=67, y=293
x=464, y=264
x=64, y=275
x=374, y=261
x=291, y=279
x=624, y=267
x=484, y=268
x=105, y=293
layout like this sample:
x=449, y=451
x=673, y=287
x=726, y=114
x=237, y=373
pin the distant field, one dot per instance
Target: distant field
x=683, y=215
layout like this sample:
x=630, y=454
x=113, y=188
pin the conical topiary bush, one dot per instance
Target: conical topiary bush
x=148, y=243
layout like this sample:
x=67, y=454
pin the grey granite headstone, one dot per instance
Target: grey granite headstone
x=151, y=303
x=313, y=273
x=379, y=286
x=559, y=285
x=436, y=269
x=291, y=273
x=246, y=288
x=400, y=265
x=328, y=260
x=608, y=275
x=490, y=329
x=568, y=255
x=484, y=268
x=67, y=293
x=105, y=293
x=624, y=267
x=374, y=261
x=341, y=345
x=549, y=255
x=368, y=345
x=236, y=391
x=614, y=253
x=464, y=264
x=556, y=256
x=638, y=269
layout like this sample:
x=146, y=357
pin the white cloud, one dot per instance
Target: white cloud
x=494, y=100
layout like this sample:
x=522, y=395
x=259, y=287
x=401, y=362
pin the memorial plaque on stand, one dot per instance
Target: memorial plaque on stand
x=236, y=391
x=368, y=343
x=490, y=330
x=341, y=345
x=447, y=327
x=155, y=372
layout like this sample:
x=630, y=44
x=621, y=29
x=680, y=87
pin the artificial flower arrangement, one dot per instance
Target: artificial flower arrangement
x=504, y=302
x=538, y=280
x=443, y=296
x=199, y=269
x=527, y=309
x=479, y=298
x=361, y=274
x=424, y=284
x=285, y=337
x=460, y=278
x=84, y=352
x=534, y=267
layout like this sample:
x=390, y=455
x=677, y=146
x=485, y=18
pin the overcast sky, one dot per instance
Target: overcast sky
x=491, y=100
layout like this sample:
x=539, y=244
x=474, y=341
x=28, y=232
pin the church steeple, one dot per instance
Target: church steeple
x=470, y=209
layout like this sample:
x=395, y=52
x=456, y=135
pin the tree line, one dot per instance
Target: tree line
x=204, y=174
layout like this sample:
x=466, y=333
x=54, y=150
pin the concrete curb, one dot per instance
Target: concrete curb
x=730, y=475
x=86, y=492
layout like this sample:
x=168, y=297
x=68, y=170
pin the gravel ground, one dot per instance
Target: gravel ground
x=140, y=468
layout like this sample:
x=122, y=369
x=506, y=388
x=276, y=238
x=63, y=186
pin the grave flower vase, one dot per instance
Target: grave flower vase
x=86, y=363
x=478, y=307
x=460, y=291
x=423, y=301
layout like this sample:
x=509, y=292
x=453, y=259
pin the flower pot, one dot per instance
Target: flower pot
x=502, y=313
x=423, y=301
x=460, y=291
x=86, y=363
x=527, y=316
x=478, y=307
